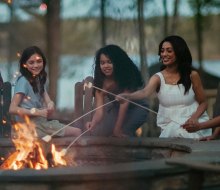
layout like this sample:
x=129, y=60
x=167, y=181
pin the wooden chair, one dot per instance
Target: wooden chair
x=5, y=100
x=216, y=105
x=84, y=101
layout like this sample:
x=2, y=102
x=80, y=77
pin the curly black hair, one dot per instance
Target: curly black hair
x=125, y=72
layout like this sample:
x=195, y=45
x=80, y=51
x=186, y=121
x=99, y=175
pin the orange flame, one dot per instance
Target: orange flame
x=29, y=151
x=57, y=156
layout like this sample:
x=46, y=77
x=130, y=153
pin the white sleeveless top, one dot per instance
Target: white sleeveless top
x=175, y=108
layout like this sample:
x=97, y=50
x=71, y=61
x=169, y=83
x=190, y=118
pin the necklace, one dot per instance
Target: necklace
x=172, y=82
x=171, y=78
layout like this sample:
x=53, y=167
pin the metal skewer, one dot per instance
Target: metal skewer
x=64, y=150
x=90, y=85
x=47, y=138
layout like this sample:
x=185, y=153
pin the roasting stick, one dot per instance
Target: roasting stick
x=64, y=150
x=47, y=138
x=90, y=85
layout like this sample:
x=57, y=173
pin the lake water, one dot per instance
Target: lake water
x=75, y=68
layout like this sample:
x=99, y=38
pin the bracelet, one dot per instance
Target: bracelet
x=33, y=111
x=51, y=102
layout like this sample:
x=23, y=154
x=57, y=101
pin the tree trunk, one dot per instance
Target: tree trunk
x=142, y=47
x=146, y=127
x=165, y=18
x=103, y=23
x=175, y=17
x=53, y=41
x=199, y=30
x=10, y=41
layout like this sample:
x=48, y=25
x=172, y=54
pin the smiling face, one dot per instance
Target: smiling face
x=34, y=64
x=106, y=65
x=167, y=54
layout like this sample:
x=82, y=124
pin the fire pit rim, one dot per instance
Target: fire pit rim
x=140, y=168
x=126, y=142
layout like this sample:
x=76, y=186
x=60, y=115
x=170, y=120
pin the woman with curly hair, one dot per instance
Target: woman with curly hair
x=116, y=73
x=31, y=98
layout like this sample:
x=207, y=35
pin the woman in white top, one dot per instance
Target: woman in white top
x=179, y=90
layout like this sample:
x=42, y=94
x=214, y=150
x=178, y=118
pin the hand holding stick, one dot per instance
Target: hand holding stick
x=47, y=138
x=90, y=85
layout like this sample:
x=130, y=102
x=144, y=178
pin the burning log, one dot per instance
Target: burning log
x=30, y=150
x=9, y=161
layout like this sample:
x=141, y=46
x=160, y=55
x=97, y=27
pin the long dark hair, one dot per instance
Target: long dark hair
x=34, y=80
x=125, y=72
x=183, y=59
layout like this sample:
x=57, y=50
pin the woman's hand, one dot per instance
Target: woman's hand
x=42, y=112
x=208, y=138
x=191, y=126
x=193, y=120
x=50, y=107
x=39, y=112
x=215, y=135
x=118, y=133
x=89, y=125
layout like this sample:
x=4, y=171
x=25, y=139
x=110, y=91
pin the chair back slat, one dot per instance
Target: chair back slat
x=5, y=100
x=83, y=101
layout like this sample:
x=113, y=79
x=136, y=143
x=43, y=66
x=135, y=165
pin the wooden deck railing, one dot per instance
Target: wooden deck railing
x=211, y=95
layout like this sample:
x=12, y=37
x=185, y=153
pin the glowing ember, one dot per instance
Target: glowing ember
x=18, y=54
x=43, y=7
x=29, y=150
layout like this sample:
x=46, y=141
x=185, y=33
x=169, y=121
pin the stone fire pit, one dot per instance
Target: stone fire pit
x=113, y=163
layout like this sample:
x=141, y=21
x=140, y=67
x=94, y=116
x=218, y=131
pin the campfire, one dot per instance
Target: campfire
x=30, y=150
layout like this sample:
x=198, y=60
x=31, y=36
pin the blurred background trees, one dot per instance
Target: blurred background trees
x=75, y=27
